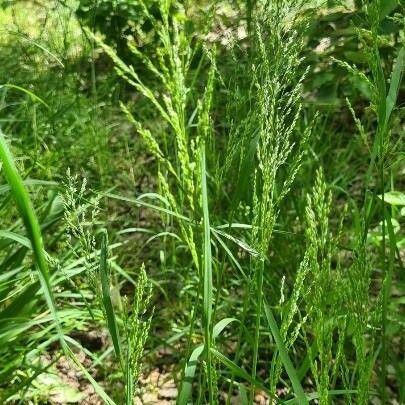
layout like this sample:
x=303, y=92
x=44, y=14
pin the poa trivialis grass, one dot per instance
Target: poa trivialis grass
x=269, y=262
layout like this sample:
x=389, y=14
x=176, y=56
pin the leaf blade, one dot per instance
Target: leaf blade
x=285, y=358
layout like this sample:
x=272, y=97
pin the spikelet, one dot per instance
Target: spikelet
x=80, y=215
x=137, y=320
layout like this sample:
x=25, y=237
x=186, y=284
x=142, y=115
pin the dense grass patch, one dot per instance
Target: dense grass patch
x=202, y=202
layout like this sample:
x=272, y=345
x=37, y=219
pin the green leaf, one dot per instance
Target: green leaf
x=22, y=240
x=221, y=325
x=285, y=358
x=229, y=253
x=394, y=198
x=30, y=219
x=243, y=245
x=189, y=373
x=99, y=390
x=387, y=7
x=139, y=202
x=238, y=371
x=5, y=188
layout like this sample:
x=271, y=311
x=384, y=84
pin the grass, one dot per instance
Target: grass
x=246, y=159
x=31, y=224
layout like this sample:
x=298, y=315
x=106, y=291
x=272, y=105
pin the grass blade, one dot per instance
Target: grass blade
x=207, y=267
x=189, y=373
x=107, y=303
x=33, y=96
x=315, y=395
x=148, y=205
x=99, y=390
x=13, y=236
x=285, y=358
x=396, y=78
x=5, y=188
x=30, y=219
x=221, y=325
x=238, y=371
x=243, y=394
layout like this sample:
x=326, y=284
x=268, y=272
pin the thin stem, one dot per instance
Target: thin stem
x=259, y=300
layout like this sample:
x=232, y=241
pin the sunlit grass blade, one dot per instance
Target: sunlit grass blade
x=20, y=303
x=39, y=46
x=13, y=236
x=231, y=256
x=242, y=244
x=31, y=224
x=314, y=395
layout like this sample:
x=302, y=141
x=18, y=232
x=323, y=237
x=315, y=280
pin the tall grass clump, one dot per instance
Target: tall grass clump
x=382, y=147
x=276, y=86
x=180, y=150
x=266, y=147
x=271, y=218
x=278, y=81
